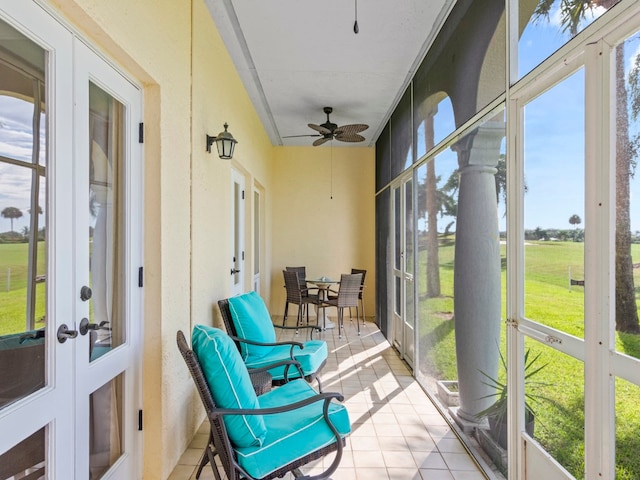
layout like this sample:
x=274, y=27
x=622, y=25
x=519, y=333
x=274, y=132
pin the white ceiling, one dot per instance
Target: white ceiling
x=297, y=56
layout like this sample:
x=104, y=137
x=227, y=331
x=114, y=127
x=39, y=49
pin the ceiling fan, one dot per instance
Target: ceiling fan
x=328, y=131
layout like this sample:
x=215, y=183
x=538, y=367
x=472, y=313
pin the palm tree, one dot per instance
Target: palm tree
x=575, y=220
x=11, y=213
x=572, y=13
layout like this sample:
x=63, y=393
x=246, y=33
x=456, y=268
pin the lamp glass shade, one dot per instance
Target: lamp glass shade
x=225, y=147
x=225, y=144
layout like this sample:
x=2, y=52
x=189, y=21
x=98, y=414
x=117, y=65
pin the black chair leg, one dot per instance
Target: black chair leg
x=209, y=457
x=286, y=313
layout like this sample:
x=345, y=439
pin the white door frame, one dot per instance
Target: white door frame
x=237, y=270
x=402, y=332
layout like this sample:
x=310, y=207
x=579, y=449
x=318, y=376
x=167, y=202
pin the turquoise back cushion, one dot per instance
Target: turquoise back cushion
x=229, y=382
x=253, y=322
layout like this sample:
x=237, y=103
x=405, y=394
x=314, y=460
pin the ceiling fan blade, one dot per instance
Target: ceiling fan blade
x=322, y=140
x=350, y=138
x=351, y=129
x=319, y=128
x=295, y=136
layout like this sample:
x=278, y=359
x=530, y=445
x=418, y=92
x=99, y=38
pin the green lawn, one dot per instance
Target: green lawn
x=548, y=300
x=13, y=286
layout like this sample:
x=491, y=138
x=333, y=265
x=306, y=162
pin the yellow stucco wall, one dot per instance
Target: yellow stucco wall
x=190, y=87
x=327, y=235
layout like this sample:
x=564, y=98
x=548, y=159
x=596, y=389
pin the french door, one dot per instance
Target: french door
x=70, y=316
x=403, y=269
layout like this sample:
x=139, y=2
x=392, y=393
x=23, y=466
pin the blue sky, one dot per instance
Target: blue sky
x=15, y=142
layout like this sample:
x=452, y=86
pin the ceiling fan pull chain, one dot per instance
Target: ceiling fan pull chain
x=355, y=24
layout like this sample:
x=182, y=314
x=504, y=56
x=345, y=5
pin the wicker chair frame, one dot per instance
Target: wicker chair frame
x=225, y=312
x=360, y=299
x=219, y=440
x=345, y=297
x=298, y=293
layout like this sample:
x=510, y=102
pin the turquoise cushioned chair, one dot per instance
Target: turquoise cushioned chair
x=300, y=425
x=247, y=320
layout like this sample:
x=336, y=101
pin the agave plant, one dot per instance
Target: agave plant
x=498, y=409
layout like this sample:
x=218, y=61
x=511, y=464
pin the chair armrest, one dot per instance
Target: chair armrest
x=275, y=344
x=262, y=344
x=326, y=397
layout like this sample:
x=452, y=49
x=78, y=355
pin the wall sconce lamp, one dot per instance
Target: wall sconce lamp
x=225, y=143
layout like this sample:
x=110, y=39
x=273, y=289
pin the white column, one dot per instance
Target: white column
x=477, y=298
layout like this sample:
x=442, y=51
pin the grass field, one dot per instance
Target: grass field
x=548, y=300
x=13, y=286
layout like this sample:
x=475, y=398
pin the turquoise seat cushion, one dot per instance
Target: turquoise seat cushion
x=253, y=322
x=292, y=435
x=310, y=357
x=229, y=382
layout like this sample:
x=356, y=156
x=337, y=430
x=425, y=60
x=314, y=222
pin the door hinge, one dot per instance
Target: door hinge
x=141, y=132
x=242, y=194
x=140, y=420
x=140, y=276
x=243, y=255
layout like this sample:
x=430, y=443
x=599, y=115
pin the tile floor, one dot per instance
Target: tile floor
x=397, y=433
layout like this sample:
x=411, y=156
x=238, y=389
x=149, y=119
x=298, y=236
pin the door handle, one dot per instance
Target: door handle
x=64, y=333
x=85, y=326
x=234, y=271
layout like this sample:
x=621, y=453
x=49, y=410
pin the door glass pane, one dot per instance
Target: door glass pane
x=408, y=228
x=256, y=241
x=22, y=216
x=627, y=259
x=106, y=231
x=237, y=192
x=548, y=25
x=397, y=230
x=554, y=389
x=409, y=315
x=554, y=206
x=398, y=297
x=105, y=427
x=26, y=460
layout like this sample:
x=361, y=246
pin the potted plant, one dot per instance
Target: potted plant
x=497, y=413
